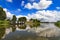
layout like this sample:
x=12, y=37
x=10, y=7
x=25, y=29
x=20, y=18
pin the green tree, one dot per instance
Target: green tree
x=34, y=23
x=14, y=20
x=22, y=19
x=35, y=20
x=2, y=14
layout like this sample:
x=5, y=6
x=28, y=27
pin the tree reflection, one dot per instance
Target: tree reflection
x=34, y=25
x=2, y=32
x=13, y=28
x=23, y=26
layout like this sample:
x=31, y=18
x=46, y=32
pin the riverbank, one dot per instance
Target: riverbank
x=4, y=23
x=57, y=24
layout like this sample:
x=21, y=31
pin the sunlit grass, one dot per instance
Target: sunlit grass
x=4, y=24
x=57, y=24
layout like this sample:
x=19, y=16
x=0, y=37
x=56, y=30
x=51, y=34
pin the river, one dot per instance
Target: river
x=46, y=31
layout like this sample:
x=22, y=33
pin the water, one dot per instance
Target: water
x=46, y=31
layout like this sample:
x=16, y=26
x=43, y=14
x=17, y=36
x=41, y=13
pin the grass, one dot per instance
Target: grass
x=57, y=24
x=4, y=24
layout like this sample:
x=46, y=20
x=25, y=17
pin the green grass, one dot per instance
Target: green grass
x=4, y=24
x=57, y=24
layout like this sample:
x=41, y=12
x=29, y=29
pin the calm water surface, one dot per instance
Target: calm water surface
x=42, y=32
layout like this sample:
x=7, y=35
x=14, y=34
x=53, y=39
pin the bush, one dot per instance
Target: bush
x=34, y=23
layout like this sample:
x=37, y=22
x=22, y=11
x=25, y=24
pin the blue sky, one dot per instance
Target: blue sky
x=30, y=7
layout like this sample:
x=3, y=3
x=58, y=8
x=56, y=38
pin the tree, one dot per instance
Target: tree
x=14, y=19
x=35, y=20
x=2, y=14
x=22, y=19
x=34, y=23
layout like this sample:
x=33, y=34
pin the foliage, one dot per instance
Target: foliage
x=57, y=23
x=22, y=19
x=14, y=20
x=2, y=14
x=35, y=20
x=34, y=23
x=8, y=20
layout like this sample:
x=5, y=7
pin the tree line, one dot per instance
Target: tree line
x=4, y=20
x=14, y=18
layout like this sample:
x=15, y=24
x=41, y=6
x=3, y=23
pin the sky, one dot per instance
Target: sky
x=44, y=10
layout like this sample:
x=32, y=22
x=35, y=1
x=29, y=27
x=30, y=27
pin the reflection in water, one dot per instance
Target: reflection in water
x=22, y=26
x=2, y=32
x=34, y=25
x=32, y=33
x=23, y=35
x=13, y=29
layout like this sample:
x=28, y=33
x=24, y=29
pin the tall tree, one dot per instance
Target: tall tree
x=14, y=19
x=2, y=14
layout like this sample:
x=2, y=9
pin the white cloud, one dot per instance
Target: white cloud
x=8, y=14
x=57, y=7
x=22, y=4
x=9, y=0
x=43, y=4
x=29, y=6
x=45, y=16
x=18, y=9
x=18, y=16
